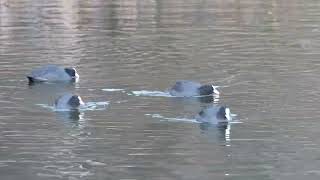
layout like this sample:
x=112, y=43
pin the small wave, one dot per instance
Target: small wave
x=150, y=93
x=89, y=106
x=95, y=163
x=189, y=120
x=113, y=90
x=94, y=106
x=166, y=94
x=46, y=106
x=177, y=119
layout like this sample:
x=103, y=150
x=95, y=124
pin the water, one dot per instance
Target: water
x=263, y=55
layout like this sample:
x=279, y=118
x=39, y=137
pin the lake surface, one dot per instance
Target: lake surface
x=263, y=54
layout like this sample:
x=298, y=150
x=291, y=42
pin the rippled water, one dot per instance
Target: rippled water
x=263, y=54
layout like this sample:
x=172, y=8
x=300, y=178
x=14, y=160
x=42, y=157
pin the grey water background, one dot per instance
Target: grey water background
x=263, y=54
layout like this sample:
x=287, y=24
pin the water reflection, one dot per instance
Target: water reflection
x=267, y=50
x=45, y=95
x=222, y=130
x=73, y=118
x=213, y=120
x=214, y=114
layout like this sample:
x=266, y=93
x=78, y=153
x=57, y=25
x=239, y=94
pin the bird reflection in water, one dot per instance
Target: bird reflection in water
x=74, y=118
x=223, y=130
x=218, y=117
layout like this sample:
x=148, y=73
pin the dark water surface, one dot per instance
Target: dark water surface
x=264, y=54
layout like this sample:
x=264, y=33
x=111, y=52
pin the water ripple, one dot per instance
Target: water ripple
x=265, y=55
x=88, y=106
